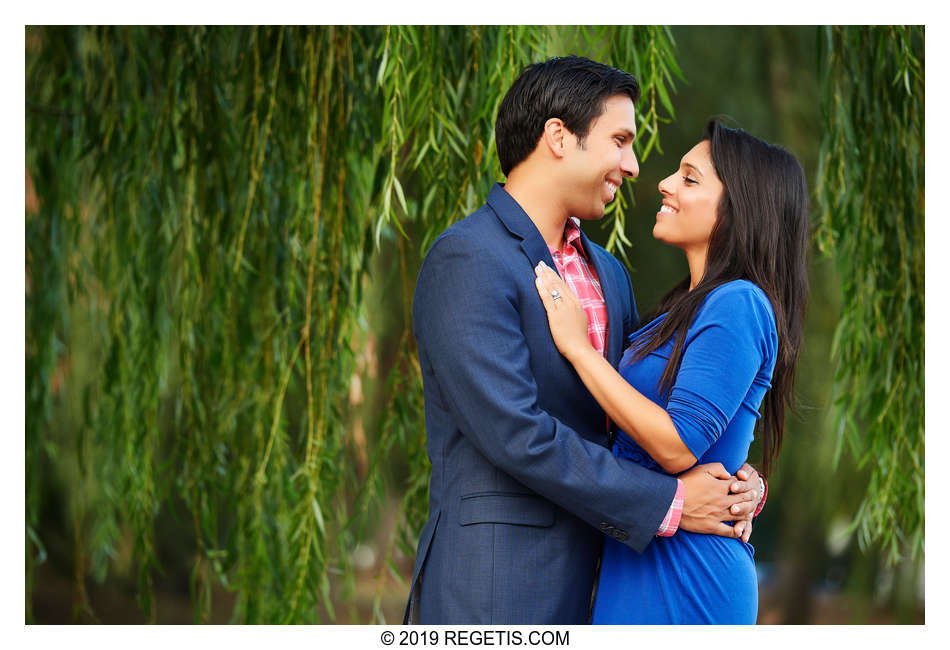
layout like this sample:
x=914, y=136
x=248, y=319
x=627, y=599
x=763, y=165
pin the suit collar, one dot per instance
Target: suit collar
x=518, y=223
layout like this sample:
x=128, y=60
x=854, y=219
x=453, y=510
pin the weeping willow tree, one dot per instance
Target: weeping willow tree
x=208, y=205
x=871, y=198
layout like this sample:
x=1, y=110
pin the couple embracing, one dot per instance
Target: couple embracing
x=574, y=448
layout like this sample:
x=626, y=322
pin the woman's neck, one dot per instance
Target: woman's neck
x=697, y=265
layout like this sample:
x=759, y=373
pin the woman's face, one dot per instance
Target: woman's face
x=690, y=198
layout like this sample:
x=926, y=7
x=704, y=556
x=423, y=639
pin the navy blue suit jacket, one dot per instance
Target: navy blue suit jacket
x=523, y=484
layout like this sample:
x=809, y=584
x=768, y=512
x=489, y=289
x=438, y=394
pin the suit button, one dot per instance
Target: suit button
x=604, y=525
x=620, y=535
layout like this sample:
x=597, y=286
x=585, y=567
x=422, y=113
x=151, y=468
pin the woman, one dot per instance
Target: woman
x=690, y=385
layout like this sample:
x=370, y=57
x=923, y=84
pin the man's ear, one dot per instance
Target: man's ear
x=555, y=137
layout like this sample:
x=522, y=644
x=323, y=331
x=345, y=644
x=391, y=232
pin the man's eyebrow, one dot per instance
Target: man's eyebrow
x=691, y=166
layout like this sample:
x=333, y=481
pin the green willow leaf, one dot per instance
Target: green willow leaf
x=872, y=224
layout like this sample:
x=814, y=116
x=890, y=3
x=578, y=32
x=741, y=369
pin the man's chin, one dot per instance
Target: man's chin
x=592, y=216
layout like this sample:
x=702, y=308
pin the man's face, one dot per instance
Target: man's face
x=593, y=170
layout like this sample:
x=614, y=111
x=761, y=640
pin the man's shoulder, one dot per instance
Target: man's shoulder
x=460, y=255
x=475, y=230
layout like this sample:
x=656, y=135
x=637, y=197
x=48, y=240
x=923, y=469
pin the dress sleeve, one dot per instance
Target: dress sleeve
x=730, y=340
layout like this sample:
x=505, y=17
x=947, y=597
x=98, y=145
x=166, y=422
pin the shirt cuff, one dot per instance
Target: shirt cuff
x=672, y=520
x=764, y=486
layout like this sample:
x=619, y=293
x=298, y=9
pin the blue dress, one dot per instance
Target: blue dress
x=726, y=369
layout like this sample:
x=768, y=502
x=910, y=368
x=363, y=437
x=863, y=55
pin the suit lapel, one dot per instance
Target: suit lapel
x=536, y=250
x=614, y=321
x=519, y=224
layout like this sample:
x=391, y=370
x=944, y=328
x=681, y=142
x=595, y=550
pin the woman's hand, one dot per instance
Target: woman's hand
x=748, y=480
x=708, y=501
x=566, y=316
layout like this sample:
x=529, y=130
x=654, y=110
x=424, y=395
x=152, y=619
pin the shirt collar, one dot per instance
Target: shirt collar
x=572, y=236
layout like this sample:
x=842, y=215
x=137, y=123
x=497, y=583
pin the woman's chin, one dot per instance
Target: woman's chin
x=661, y=237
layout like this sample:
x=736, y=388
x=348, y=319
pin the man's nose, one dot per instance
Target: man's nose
x=629, y=165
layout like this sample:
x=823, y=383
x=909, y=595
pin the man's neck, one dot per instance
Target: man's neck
x=535, y=198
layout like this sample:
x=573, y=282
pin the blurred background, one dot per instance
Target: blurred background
x=224, y=415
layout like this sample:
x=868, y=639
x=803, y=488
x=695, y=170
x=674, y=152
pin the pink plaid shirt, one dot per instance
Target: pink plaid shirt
x=573, y=266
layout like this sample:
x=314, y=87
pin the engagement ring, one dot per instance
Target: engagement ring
x=555, y=294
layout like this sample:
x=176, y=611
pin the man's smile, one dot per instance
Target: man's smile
x=612, y=187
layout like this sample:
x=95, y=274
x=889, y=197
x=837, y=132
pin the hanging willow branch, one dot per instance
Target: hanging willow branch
x=871, y=198
x=210, y=204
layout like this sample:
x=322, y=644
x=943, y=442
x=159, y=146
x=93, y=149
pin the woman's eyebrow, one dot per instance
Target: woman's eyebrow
x=691, y=166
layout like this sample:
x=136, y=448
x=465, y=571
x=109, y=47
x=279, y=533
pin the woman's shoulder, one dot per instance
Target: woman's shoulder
x=739, y=296
x=738, y=315
x=741, y=310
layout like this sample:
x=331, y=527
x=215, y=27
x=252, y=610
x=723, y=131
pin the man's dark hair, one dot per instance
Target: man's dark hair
x=571, y=88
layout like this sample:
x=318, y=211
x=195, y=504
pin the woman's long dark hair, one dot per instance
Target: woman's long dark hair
x=760, y=235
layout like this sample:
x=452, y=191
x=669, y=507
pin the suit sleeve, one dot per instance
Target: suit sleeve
x=467, y=324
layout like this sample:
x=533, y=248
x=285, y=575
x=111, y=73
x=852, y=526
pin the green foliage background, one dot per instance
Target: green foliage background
x=871, y=195
x=222, y=392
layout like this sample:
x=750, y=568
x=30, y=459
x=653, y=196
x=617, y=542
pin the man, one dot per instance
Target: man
x=523, y=482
